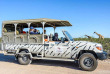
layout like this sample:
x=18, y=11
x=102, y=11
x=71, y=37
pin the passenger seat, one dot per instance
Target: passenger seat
x=55, y=37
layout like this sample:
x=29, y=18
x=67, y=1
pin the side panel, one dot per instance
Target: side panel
x=76, y=47
x=22, y=38
x=36, y=48
x=8, y=37
x=82, y=45
x=35, y=38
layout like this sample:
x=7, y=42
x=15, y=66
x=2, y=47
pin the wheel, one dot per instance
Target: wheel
x=88, y=62
x=24, y=59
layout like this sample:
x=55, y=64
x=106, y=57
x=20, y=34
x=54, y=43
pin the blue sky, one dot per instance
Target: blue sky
x=86, y=16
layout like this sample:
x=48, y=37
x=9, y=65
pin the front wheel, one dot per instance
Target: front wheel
x=24, y=59
x=88, y=62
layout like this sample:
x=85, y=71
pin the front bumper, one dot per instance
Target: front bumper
x=102, y=56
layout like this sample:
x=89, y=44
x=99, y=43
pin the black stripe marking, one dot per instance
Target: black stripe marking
x=73, y=54
x=77, y=42
x=14, y=47
x=47, y=52
x=68, y=47
x=51, y=47
x=84, y=47
x=31, y=46
x=34, y=49
x=58, y=43
x=93, y=49
x=46, y=44
x=67, y=54
x=89, y=47
x=68, y=43
x=51, y=52
x=54, y=55
x=75, y=46
x=95, y=44
x=64, y=52
x=58, y=54
x=39, y=48
x=80, y=46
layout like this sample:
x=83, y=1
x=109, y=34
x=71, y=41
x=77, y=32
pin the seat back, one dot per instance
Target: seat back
x=22, y=38
x=35, y=38
x=8, y=37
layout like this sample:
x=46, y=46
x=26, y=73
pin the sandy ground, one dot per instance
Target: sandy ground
x=8, y=65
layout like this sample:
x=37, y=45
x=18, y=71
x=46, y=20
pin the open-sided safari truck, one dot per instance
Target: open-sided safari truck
x=26, y=46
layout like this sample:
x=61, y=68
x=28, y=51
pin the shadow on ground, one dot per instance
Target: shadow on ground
x=10, y=59
x=67, y=64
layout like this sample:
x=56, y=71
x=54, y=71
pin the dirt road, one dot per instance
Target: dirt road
x=8, y=65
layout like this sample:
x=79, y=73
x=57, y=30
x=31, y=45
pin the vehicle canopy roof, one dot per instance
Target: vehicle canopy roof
x=37, y=22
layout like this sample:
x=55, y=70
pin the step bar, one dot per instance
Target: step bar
x=46, y=58
x=41, y=57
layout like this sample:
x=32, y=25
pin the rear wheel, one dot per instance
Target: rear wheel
x=24, y=59
x=88, y=62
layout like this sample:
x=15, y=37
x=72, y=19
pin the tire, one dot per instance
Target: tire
x=24, y=59
x=88, y=62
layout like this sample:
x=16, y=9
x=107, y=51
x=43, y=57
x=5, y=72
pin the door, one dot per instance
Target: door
x=58, y=49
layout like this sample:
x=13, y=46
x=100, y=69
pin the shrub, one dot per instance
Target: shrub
x=105, y=43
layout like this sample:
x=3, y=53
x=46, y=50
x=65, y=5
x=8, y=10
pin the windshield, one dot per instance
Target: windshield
x=68, y=35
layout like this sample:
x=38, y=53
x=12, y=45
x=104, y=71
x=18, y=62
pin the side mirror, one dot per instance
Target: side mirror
x=62, y=40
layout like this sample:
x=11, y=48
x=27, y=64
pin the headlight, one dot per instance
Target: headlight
x=99, y=48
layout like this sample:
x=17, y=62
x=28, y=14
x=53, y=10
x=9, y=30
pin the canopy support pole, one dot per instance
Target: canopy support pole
x=28, y=31
x=54, y=28
x=15, y=32
x=43, y=24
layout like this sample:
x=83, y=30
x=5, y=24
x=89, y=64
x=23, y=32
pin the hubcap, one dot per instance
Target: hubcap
x=25, y=58
x=88, y=62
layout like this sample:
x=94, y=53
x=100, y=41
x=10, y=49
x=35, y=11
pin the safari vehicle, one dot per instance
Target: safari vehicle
x=26, y=47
